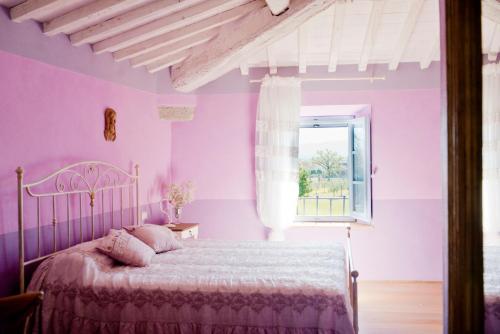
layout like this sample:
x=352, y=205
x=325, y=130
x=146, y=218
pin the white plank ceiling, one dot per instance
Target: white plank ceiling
x=160, y=33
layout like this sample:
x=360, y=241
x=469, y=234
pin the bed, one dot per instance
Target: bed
x=208, y=286
x=492, y=289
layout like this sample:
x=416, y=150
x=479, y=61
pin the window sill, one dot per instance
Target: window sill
x=338, y=223
x=322, y=224
x=324, y=219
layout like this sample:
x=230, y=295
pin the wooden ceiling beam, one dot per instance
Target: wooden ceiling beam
x=244, y=68
x=86, y=15
x=129, y=20
x=491, y=10
x=371, y=32
x=168, y=61
x=236, y=41
x=173, y=48
x=302, y=46
x=338, y=24
x=429, y=55
x=278, y=6
x=165, y=24
x=31, y=8
x=184, y=32
x=271, y=60
x=405, y=35
x=494, y=45
x=432, y=50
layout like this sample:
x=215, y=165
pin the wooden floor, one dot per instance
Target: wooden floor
x=400, y=307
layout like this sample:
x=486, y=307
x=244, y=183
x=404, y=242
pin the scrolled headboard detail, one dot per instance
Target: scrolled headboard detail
x=78, y=186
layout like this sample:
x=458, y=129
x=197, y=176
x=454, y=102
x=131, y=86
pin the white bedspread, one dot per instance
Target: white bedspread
x=492, y=289
x=206, y=287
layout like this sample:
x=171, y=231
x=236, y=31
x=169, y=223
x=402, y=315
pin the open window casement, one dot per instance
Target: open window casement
x=359, y=166
x=357, y=205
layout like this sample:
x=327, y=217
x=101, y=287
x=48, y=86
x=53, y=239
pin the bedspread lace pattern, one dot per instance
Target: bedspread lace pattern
x=205, y=287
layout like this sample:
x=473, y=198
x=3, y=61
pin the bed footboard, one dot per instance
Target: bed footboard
x=353, y=282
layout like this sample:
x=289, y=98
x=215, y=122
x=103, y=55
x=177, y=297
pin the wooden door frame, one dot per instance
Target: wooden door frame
x=461, y=90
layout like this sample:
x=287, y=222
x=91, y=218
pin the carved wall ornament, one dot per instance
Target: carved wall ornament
x=109, y=124
x=176, y=113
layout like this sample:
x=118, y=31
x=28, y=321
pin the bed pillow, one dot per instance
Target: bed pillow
x=126, y=248
x=160, y=238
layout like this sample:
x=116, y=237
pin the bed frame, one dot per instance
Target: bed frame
x=353, y=282
x=86, y=180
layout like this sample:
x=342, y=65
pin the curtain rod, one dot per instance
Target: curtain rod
x=371, y=79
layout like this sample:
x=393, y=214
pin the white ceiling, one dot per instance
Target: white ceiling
x=160, y=33
x=378, y=31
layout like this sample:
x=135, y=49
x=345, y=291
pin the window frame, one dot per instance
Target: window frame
x=366, y=217
x=333, y=122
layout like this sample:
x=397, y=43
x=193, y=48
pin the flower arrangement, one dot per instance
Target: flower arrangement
x=178, y=195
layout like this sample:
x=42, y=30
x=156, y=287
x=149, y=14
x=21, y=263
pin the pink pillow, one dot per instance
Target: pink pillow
x=125, y=248
x=160, y=238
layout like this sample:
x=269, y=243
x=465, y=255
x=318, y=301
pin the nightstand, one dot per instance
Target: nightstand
x=185, y=231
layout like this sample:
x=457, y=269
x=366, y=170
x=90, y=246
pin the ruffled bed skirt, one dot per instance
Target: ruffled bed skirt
x=61, y=321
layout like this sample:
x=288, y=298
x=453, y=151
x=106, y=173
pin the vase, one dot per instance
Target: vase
x=177, y=215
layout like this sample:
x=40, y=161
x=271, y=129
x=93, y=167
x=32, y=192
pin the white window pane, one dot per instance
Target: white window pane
x=358, y=158
x=360, y=169
x=358, y=190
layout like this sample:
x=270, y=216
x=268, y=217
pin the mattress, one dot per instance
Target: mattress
x=206, y=287
x=492, y=289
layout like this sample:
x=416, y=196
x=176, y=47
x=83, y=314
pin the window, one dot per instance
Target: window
x=334, y=169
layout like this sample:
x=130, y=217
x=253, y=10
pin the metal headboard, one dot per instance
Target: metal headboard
x=77, y=180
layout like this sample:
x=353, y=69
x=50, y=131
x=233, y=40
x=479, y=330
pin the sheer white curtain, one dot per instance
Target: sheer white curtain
x=491, y=151
x=276, y=153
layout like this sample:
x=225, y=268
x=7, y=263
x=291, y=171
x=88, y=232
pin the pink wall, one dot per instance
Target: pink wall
x=216, y=152
x=51, y=117
x=213, y=149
